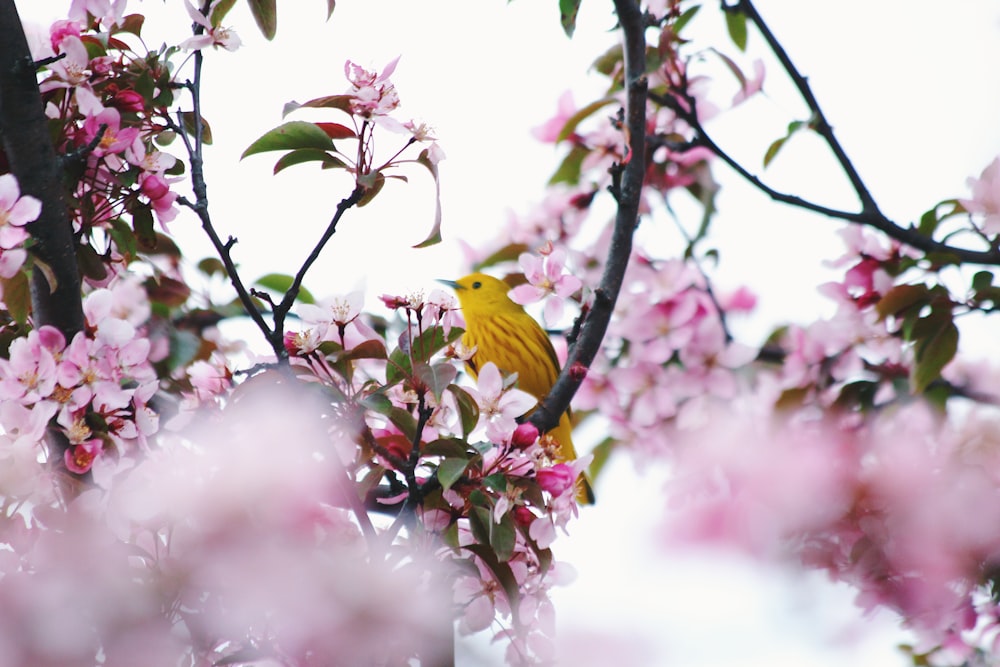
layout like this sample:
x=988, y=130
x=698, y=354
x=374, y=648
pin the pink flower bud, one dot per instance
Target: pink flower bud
x=524, y=436
x=155, y=187
x=578, y=371
x=523, y=516
x=128, y=100
x=556, y=479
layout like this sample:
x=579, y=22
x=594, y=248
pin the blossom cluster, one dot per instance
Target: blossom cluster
x=96, y=387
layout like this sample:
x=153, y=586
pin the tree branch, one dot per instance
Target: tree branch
x=200, y=205
x=684, y=105
x=820, y=123
x=35, y=163
x=582, y=353
x=281, y=310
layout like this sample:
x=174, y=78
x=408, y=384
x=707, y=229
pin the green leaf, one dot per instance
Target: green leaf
x=582, y=114
x=901, y=298
x=281, y=283
x=421, y=349
x=450, y=471
x=503, y=537
x=447, y=448
x=982, y=280
x=602, y=454
x=468, y=409
x=933, y=353
x=436, y=377
x=266, y=15
x=301, y=155
x=403, y=420
x=435, y=234
x=342, y=102
x=779, y=143
x=212, y=266
x=736, y=24
x=133, y=24
x=184, y=346
x=187, y=119
x=142, y=225
x=373, y=183
x=503, y=575
x=91, y=264
x=17, y=296
x=167, y=291
x=369, y=349
x=772, y=150
x=684, y=18
x=219, y=11
x=124, y=238
x=291, y=136
x=570, y=168
x=568, y=9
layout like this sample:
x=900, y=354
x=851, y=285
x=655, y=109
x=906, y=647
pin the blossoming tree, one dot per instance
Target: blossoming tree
x=350, y=497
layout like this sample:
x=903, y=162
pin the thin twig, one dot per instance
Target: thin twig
x=281, y=310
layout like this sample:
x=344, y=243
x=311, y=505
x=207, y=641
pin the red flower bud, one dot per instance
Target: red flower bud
x=155, y=187
x=556, y=479
x=524, y=436
x=523, y=516
x=128, y=100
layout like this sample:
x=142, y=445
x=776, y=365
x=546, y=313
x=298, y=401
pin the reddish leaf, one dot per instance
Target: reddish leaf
x=337, y=131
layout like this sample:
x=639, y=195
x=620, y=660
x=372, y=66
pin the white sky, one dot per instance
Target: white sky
x=910, y=88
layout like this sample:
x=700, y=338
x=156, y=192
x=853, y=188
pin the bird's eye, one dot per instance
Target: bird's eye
x=476, y=285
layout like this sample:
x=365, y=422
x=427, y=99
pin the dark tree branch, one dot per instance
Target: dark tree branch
x=55, y=291
x=628, y=190
x=200, y=205
x=869, y=215
x=281, y=310
x=820, y=123
x=35, y=163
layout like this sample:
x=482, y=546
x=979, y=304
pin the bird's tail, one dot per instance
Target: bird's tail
x=563, y=434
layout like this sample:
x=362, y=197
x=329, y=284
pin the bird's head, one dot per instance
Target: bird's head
x=479, y=293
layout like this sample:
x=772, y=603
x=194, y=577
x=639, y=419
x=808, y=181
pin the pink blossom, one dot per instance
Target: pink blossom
x=753, y=85
x=161, y=198
x=80, y=458
x=499, y=406
x=337, y=318
x=15, y=212
x=985, y=200
x=11, y=262
x=29, y=374
x=73, y=69
x=62, y=29
x=300, y=343
x=108, y=12
x=373, y=93
x=549, y=131
x=115, y=139
x=209, y=380
x=546, y=279
x=212, y=36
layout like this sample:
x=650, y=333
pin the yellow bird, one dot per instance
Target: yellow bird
x=502, y=332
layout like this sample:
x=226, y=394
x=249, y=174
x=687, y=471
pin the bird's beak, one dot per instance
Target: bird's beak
x=450, y=283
